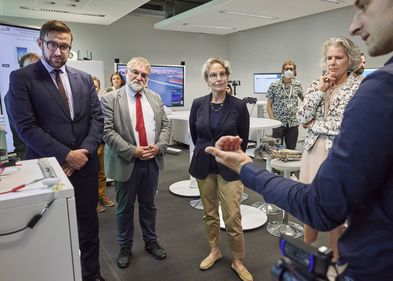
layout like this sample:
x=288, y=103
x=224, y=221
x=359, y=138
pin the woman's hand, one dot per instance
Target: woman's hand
x=326, y=81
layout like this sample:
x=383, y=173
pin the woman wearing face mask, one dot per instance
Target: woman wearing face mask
x=322, y=112
x=282, y=103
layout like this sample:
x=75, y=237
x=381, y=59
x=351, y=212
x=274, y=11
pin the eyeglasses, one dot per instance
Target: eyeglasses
x=215, y=76
x=289, y=68
x=52, y=46
x=137, y=73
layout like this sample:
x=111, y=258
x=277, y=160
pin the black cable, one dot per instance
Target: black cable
x=33, y=221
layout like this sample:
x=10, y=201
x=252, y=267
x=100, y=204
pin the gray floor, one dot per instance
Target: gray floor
x=181, y=233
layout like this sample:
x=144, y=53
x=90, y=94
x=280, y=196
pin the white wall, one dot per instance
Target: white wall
x=135, y=36
x=265, y=49
x=258, y=50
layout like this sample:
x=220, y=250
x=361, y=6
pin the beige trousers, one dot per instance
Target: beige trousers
x=101, y=173
x=214, y=190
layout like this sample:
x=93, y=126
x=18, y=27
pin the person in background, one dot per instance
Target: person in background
x=116, y=81
x=211, y=117
x=103, y=199
x=56, y=112
x=282, y=102
x=362, y=65
x=322, y=111
x=136, y=136
x=19, y=145
x=356, y=179
x=229, y=89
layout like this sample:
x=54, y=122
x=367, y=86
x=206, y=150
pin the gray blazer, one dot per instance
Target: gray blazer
x=119, y=137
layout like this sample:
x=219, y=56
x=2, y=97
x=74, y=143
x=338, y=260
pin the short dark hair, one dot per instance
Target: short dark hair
x=54, y=25
x=29, y=57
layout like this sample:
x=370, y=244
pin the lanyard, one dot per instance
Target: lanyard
x=285, y=91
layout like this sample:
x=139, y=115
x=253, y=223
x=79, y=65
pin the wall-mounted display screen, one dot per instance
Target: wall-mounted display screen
x=165, y=80
x=367, y=71
x=262, y=81
x=16, y=41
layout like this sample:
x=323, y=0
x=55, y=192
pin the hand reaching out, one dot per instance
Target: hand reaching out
x=228, y=152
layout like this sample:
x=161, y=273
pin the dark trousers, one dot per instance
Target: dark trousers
x=142, y=185
x=287, y=134
x=86, y=198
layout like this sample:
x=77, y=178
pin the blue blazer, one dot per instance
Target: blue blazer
x=234, y=121
x=42, y=120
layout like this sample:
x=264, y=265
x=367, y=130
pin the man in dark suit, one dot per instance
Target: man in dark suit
x=136, y=135
x=56, y=112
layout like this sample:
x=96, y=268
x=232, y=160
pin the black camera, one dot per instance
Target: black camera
x=303, y=262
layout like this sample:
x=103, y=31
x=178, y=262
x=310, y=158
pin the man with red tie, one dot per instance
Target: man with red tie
x=136, y=134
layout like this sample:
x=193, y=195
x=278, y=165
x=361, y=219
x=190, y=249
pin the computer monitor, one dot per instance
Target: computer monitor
x=367, y=71
x=165, y=80
x=262, y=81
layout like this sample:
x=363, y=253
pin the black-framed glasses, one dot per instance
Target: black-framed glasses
x=144, y=75
x=215, y=76
x=52, y=46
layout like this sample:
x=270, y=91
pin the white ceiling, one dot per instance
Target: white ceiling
x=207, y=18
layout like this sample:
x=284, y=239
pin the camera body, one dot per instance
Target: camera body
x=302, y=262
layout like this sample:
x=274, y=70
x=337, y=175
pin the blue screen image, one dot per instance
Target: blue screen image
x=367, y=71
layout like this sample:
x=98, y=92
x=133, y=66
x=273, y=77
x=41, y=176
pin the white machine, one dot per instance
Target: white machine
x=38, y=229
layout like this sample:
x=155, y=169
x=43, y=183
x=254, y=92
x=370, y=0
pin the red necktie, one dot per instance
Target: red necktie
x=59, y=83
x=140, y=123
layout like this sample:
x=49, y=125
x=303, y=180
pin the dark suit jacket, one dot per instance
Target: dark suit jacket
x=234, y=121
x=43, y=121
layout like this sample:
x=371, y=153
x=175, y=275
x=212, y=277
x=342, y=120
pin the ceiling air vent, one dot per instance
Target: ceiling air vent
x=61, y=11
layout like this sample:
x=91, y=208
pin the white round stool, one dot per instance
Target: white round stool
x=278, y=228
x=267, y=208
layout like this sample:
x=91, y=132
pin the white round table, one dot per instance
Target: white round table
x=252, y=218
x=285, y=227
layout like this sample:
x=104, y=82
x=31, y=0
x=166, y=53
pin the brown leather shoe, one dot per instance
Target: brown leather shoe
x=208, y=262
x=243, y=274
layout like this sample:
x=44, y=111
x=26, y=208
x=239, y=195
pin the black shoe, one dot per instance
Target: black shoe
x=123, y=259
x=155, y=250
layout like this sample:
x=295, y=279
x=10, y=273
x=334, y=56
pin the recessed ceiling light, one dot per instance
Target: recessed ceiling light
x=248, y=15
x=209, y=26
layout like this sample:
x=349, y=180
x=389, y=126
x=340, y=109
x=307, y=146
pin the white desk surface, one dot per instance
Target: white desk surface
x=261, y=102
x=263, y=123
x=255, y=123
x=179, y=115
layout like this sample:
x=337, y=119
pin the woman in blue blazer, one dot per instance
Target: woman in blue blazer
x=212, y=116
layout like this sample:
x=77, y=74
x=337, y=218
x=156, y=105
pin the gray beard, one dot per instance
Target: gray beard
x=136, y=87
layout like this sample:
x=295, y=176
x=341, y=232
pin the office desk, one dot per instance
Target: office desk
x=185, y=188
x=50, y=250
